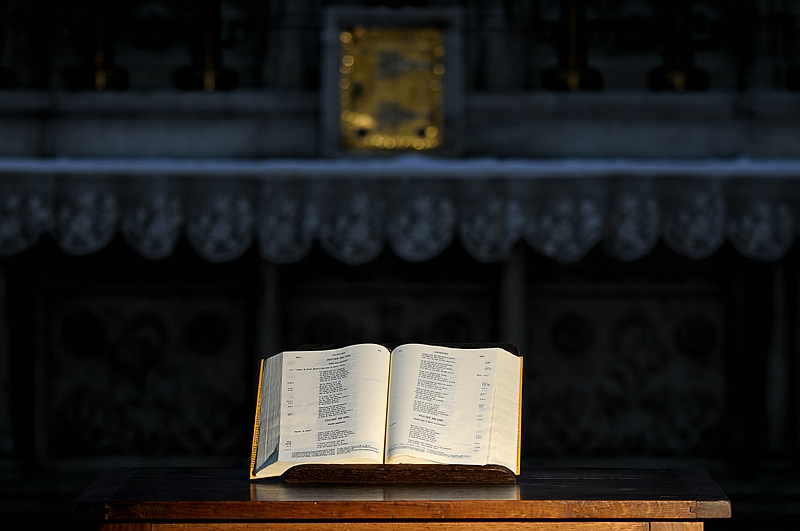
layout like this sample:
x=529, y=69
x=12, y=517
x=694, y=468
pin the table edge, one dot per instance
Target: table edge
x=452, y=510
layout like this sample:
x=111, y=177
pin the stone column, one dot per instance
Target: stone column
x=6, y=437
x=512, y=299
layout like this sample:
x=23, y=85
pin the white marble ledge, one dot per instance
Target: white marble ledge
x=406, y=167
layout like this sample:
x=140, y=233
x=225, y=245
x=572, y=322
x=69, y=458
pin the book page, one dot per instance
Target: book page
x=269, y=425
x=505, y=431
x=440, y=405
x=333, y=405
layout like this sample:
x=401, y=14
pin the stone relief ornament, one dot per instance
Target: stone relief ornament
x=119, y=358
x=638, y=385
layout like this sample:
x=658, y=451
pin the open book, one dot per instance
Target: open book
x=365, y=404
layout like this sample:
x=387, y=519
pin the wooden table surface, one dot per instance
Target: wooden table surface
x=221, y=495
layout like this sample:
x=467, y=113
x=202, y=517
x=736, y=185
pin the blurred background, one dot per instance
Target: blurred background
x=612, y=185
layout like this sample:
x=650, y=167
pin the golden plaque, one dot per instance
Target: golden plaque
x=390, y=88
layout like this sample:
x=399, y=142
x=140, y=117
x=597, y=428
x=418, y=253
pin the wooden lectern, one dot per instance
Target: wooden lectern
x=206, y=499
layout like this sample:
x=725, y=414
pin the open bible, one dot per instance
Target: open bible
x=366, y=404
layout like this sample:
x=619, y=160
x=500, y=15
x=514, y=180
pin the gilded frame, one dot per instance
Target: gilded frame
x=422, y=111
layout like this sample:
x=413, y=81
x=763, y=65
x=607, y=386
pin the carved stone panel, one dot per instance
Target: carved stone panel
x=143, y=373
x=385, y=313
x=623, y=371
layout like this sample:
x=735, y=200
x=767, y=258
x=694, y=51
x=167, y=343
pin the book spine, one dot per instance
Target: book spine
x=519, y=420
x=257, y=423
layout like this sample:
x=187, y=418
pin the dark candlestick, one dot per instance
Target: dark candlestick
x=100, y=77
x=573, y=72
x=8, y=78
x=206, y=71
x=679, y=72
x=97, y=70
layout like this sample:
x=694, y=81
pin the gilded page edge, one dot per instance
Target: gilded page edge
x=257, y=423
x=519, y=421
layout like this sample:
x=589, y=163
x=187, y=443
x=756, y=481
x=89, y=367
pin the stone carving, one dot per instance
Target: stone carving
x=572, y=334
x=126, y=382
x=695, y=336
x=335, y=313
x=623, y=374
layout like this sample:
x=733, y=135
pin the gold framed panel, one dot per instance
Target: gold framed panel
x=391, y=88
x=391, y=82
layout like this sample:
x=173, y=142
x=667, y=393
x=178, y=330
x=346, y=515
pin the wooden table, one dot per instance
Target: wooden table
x=206, y=499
